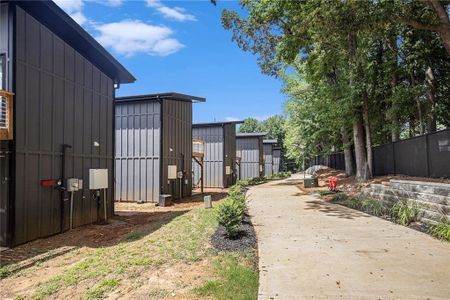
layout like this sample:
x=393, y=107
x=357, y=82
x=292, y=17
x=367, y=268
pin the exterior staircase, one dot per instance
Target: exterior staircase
x=432, y=198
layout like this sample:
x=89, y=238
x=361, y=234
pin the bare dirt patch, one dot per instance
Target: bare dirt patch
x=136, y=255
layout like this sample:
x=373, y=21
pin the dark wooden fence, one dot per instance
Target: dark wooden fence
x=425, y=156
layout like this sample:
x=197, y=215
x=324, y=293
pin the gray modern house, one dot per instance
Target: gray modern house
x=219, y=161
x=268, y=146
x=249, y=151
x=153, y=146
x=57, y=121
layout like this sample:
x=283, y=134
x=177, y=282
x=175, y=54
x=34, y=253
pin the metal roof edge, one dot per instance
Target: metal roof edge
x=161, y=96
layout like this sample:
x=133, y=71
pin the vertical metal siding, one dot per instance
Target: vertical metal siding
x=268, y=159
x=5, y=154
x=177, y=135
x=213, y=171
x=276, y=160
x=230, y=153
x=60, y=98
x=138, y=140
x=250, y=151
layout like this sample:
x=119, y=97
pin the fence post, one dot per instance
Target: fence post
x=427, y=154
x=393, y=157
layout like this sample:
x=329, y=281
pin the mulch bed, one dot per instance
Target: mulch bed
x=245, y=240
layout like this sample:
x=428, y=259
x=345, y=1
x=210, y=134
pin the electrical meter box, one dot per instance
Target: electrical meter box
x=227, y=170
x=98, y=179
x=172, y=172
x=74, y=184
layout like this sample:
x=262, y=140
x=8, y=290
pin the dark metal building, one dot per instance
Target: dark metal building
x=268, y=146
x=276, y=160
x=249, y=149
x=219, y=163
x=63, y=85
x=153, y=146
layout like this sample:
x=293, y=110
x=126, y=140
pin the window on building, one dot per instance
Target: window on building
x=6, y=104
x=3, y=99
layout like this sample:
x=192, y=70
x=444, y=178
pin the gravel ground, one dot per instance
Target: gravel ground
x=246, y=238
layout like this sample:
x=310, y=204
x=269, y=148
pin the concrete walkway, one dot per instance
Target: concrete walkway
x=311, y=249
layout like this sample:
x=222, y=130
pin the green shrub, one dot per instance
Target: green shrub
x=325, y=192
x=235, y=191
x=404, y=213
x=230, y=214
x=339, y=197
x=373, y=207
x=441, y=230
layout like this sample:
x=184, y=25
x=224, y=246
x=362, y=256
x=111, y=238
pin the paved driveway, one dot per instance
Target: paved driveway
x=314, y=250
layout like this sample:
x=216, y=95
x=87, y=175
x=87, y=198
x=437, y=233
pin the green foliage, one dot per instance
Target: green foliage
x=340, y=197
x=229, y=215
x=5, y=271
x=133, y=236
x=236, y=280
x=373, y=207
x=325, y=192
x=100, y=289
x=441, y=230
x=404, y=213
x=337, y=58
x=249, y=125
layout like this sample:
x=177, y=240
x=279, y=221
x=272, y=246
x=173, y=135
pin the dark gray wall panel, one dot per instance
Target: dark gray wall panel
x=177, y=135
x=276, y=161
x=230, y=154
x=137, y=159
x=249, y=149
x=213, y=171
x=57, y=102
x=268, y=159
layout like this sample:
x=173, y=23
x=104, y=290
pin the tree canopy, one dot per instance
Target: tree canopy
x=356, y=73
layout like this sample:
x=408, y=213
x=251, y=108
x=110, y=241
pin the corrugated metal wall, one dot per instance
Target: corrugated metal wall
x=276, y=160
x=250, y=151
x=177, y=146
x=138, y=143
x=213, y=170
x=268, y=159
x=230, y=154
x=61, y=98
x=4, y=145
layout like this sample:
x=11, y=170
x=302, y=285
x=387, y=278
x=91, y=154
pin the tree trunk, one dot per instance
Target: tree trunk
x=395, y=130
x=431, y=96
x=362, y=169
x=444, y=28
x=348, y=157
x=368, y=135
x=419, y=108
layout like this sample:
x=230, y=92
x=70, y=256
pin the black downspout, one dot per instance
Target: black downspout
x=62, y=187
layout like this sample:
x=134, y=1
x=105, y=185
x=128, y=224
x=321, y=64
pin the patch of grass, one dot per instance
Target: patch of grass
x=46, y=290
x=100, y=289
x=339, y=197
x=158, y=293
x=404, y=213
x=183, y=238
x=19, y=297
x=441, y=230
x=235, y=280
x=133, y=236
x=5, y=271
x=373, y=207
x=325, y=192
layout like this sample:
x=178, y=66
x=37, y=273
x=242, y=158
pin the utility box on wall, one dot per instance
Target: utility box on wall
x=98, y=179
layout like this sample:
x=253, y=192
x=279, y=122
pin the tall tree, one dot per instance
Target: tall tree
x=249, y=125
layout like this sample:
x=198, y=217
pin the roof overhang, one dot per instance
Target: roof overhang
x=213, y=124
x=270, y=141
x=161, y=96
x=60, y=23
x=251, y=134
